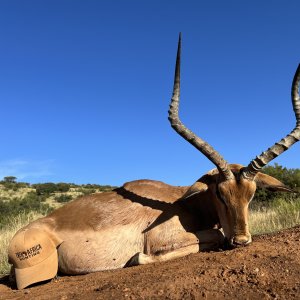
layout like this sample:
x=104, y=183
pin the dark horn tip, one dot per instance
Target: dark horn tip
x=298, y=69
x=179, y=40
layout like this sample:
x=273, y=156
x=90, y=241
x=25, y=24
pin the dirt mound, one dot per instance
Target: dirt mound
x=268, y=268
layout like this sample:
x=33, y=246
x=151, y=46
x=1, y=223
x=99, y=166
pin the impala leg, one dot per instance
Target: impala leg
x=210, y=239
x=143, y=259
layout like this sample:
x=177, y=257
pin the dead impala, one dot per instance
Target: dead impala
x=147, y=221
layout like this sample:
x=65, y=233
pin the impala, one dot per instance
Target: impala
x=147, y=221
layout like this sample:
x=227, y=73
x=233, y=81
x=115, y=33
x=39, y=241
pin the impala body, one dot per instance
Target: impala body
x=146, y=221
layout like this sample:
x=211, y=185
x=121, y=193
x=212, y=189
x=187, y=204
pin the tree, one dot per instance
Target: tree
x=10, y=179
x=289, y=177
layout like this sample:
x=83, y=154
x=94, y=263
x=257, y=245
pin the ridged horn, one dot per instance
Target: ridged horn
x=187, y=134
x=262, y=160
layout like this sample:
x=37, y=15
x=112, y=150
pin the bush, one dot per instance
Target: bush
x=44, y=188
x=290, y=177
x=86, y=191
x=31, y=202
x=14, y=185
x=63, y=198
x=49, y=188
x=62, y=187
x=102, y=188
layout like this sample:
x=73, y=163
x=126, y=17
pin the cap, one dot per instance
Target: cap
x=33, y=253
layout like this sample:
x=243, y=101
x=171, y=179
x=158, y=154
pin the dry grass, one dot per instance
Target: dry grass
x=8, y=232
x=10, y=194
x=279, y=215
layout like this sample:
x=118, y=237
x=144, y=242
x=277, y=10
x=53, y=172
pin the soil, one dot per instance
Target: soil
x=269, y=268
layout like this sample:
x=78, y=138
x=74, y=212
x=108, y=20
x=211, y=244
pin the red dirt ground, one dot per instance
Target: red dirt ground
x=267, y=269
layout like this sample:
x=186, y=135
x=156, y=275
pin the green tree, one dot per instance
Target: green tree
x=45, y=188
x=290, y=177
x=9, y=179
x=62, y=187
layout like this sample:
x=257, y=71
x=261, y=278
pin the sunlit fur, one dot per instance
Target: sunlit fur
x=146, y=221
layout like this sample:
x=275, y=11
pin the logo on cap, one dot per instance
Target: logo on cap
x=33, y=251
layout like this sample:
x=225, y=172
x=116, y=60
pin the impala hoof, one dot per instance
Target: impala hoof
x=241, y=240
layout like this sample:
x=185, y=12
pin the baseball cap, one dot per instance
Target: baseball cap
x=32, y=251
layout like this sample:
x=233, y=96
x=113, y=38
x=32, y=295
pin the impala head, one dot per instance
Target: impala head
x=234, y=186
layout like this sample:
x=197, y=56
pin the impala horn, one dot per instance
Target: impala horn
x=187, y=134
x=262, y=160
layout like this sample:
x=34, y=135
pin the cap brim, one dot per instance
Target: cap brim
x=47, y=269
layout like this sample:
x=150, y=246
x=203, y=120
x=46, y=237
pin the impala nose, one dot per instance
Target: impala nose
x=241, y=240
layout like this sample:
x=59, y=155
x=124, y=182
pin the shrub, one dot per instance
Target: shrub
x=50, y=188
x=31, y=202
x=63, y=198
x=45, y=188
x=62, y=187
x=290, y=177
x=14, y=185
x=86, y=191
x=102, y=188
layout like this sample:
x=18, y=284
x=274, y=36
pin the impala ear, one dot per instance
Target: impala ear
x=272, y=184
x=196, y=188
x=202, y=184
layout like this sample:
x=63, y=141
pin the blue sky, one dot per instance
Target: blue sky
x=85, y=86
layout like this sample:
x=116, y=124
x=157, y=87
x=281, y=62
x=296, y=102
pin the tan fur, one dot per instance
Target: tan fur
x=146, y=221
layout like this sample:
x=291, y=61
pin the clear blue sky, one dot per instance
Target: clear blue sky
x=85, y=86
